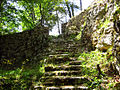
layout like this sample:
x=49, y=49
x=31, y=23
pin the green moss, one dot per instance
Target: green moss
x=91, y=59
x=104, y=24
x=20, y=78
x=78, y=37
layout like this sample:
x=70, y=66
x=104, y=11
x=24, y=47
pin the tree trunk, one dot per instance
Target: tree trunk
x=81, y=5
x=72, y=8
x=68, y=9
x=41, y=13
x=33, y=15
x=58, y=22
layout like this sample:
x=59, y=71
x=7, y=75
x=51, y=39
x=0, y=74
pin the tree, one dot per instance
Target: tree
x=81, y=5
x=70, y=8
x=8, y=17
x=26, y=13
x=43, y=12
x=30, y=13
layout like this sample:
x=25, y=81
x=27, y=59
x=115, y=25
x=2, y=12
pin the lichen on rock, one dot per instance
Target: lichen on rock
x=99, y=26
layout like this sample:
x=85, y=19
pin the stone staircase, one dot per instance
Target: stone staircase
x=62, y=70
x=64, y=77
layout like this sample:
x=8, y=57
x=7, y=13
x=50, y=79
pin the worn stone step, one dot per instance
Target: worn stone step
x=57, y=52
x=65, y=50
x=60, y=51
x=63, y=56
x=69, y=67
x=75, y=63
x=63, y=73
x=58, y=59
x=71, y=47
x=57, y=55
x=61, y=88
x=64, y=80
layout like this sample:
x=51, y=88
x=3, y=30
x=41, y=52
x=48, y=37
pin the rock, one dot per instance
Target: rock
x=105, y=42
x=96, y=25
x=117, y=86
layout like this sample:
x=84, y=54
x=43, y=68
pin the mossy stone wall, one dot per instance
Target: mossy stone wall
x=96, y=25
x=27, y=45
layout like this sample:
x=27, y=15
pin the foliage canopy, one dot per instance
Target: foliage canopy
x=17, y=15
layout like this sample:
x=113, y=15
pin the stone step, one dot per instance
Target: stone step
x=63, y=56
x=57, y=52
x=75, y=63
x=63, y=73
x=61, y=88
x=65, y=50
x=62, y=51
x=63, y=80
x=58, y=60
x=64, y=67
x=58, y=55
x=68, y=48
x=71, y=47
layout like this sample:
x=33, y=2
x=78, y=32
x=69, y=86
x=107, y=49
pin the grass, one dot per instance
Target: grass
x=20, y=78
x=90, y=61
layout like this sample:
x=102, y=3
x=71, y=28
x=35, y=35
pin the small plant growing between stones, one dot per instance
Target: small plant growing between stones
x=90, y=61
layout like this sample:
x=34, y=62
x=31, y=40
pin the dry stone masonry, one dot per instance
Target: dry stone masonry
x=18, y=47
x=97, y=27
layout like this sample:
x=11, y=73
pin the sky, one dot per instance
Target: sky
x=85, y=4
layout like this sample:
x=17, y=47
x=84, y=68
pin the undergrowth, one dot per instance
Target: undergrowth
x=21, y=78
x=90, y=60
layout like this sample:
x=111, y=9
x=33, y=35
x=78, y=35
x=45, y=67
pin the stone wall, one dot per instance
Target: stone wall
x=96, y=24
x=116, y=44
x=27, y=45
x=97, y=27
